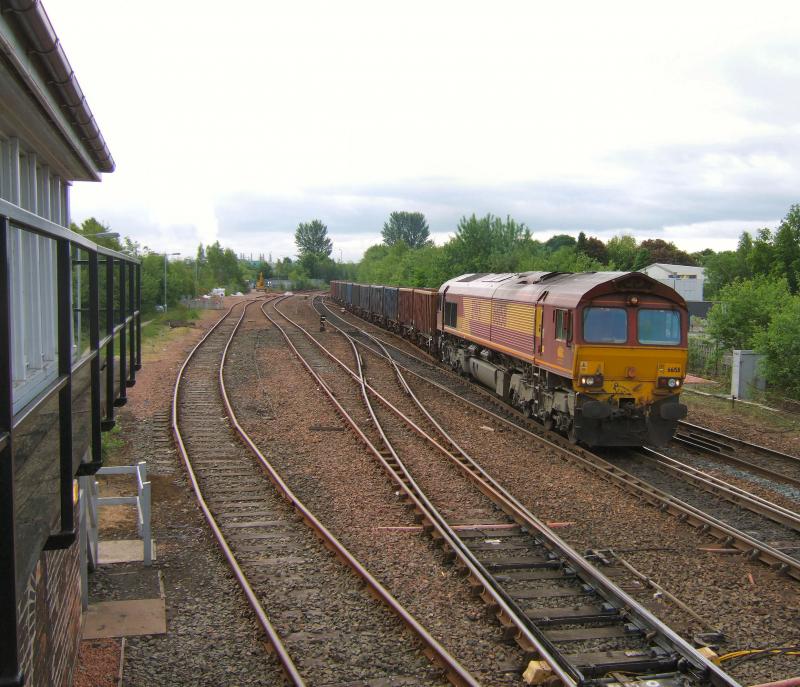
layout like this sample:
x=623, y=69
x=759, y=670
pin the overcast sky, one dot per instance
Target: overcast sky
x=677, y=120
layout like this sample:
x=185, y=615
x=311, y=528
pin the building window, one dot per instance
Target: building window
x=34, y=359
x=450, y=314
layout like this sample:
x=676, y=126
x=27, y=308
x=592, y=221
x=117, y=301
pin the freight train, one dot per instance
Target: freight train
x=599, y=356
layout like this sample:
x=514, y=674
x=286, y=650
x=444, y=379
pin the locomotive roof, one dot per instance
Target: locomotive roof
x=566, y=289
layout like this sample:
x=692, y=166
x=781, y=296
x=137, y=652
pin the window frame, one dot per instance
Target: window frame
x=614, y=342
x=658, y=343
x=450, y=314
x=563, y=324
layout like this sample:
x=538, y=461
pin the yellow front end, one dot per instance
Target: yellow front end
x=619, y=396
x=630, y=372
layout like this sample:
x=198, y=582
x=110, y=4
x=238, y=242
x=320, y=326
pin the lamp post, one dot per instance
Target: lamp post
x=165, y=278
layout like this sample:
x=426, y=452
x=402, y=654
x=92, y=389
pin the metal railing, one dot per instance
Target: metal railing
x=141, y=500
x=48, y=420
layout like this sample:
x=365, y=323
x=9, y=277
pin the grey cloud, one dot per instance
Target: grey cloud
x=668, y=187
x=769, y=82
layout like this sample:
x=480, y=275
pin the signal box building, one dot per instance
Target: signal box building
x=69, y=345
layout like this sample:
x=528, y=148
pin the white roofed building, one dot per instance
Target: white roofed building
x=685, y=279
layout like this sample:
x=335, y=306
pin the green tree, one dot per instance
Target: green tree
x=409, y=227
x=744, y=308
x=560, y=240
x=90, y=228
x=786, y=245
x=224, y=268
x=780, y=344
x=659, y=250
x=625, y=254
x=312, y=238
x=592, y=247
x=488, y=244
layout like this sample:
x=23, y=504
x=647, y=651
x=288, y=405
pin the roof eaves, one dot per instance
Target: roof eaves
x=39, y=38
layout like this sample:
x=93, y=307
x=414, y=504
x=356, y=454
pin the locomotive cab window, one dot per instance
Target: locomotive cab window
x=661, y=327
x=605, y=325
x=563, y=325
x=450, y=314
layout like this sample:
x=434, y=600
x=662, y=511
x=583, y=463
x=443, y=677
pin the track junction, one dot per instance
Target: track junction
x=571, y=615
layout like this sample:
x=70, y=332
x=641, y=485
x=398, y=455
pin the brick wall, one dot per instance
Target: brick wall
x=50, y=619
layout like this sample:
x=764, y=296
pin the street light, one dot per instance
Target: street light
x=165, y=278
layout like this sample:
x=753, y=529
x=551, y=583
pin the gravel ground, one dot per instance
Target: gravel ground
x=757, y=526
x=331, y=627
x=716, y=586
x=340, y=482
x=98, y=663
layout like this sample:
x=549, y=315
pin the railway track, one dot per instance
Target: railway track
x=778, y=467
x=546, y=595
x=314, y=611
x=432, y=373
x=764, y=521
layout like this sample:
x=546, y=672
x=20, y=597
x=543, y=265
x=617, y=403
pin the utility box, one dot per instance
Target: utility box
x=745, y=375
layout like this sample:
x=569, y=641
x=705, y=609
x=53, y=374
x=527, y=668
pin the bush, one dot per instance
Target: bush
x=745, y=308
x=780, y=344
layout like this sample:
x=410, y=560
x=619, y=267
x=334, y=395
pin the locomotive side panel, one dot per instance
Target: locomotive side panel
x=512, y=327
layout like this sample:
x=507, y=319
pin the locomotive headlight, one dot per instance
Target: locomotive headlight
x=670, y=382
x=591, y=380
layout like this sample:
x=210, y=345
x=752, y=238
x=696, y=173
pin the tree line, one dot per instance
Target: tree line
x=756, y=287
x=186, y=277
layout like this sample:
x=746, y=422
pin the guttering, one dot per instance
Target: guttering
x=40, y=39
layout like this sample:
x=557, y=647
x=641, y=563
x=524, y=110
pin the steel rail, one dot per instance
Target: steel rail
x=456, y=673
x=610, y=473
x=741, y=442
x=406, y=483
x=280, y=650
x=512, y=506
x=712, y=446
x=724, y=490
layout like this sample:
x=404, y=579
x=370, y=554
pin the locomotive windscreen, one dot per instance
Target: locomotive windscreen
x=662, y=327
x=605, y=325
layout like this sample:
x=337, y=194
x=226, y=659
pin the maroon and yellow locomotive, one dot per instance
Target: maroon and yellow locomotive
x=600, y=356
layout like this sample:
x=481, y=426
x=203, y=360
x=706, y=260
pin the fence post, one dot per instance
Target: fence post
x=146, y=536
x=144, y=506
x=83, y=542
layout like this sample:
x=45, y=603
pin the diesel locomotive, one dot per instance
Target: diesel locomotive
x=598, y=356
